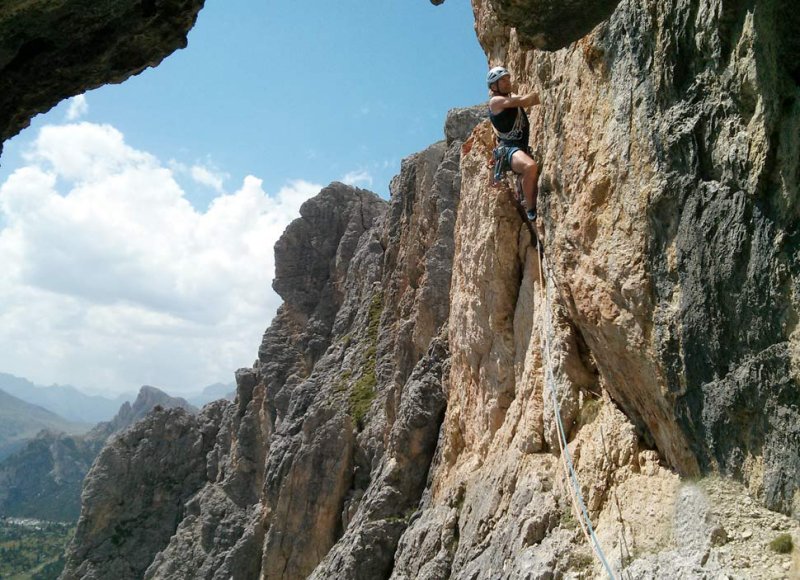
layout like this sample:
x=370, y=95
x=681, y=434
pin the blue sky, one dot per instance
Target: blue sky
x=137, y=222
x=309, y=90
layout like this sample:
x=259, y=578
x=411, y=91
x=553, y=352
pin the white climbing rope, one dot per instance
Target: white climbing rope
x=574, y=488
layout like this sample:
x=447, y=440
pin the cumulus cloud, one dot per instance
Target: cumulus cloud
x=356, y=178
x=112, y=279
x=77, y=107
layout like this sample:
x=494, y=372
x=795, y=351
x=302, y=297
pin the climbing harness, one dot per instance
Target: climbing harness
x=501, y=155
x=502, y=159
x=569, y=469
x=518, y=132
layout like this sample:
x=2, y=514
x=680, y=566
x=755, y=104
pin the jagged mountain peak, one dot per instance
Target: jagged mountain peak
x=147, y=399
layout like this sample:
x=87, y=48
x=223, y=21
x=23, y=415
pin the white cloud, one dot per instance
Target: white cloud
x=208, y=177
x=358, y=177
x=112, y=279
x=78, y=107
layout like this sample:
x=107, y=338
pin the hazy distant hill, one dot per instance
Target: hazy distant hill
x=43, y=480
x=213, y=393
x=73, y=404
x=64, y=400
x=20, y=421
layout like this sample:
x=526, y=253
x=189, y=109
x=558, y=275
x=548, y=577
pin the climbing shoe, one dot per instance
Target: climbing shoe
x=531, y=215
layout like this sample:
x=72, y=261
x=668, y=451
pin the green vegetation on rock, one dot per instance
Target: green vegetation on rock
x=33, y=550
x=343, y=382
x=782, y=544
x=362, y=395
x=568, y=520
x=363, y=390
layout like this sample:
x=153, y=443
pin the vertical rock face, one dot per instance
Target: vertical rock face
x=319, y=464
x=669, y=148
x=669, y=137
x=282, y=462
x=54, y=50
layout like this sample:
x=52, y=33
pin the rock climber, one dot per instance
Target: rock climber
x=513, y=130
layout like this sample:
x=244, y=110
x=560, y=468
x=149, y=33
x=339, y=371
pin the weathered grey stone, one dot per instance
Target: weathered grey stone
x=217, y=539
x=395, y=303
x=367, y=548
x=291, y=414
x=694, y=531
x=460, y=122
x=426, y=551
x=134, y=494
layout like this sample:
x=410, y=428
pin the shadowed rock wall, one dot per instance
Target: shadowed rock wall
x=57, y=49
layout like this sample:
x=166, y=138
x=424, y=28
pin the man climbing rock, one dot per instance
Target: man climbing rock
x=513, y=130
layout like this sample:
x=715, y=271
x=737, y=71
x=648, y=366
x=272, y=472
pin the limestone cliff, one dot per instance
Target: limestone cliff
x=400, y=419
x=668, y=139
x=669, y=136
x=329, y=441
x=136, y=491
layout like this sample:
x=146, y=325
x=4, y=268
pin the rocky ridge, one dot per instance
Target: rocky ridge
x=130, y=505
x=350, y=369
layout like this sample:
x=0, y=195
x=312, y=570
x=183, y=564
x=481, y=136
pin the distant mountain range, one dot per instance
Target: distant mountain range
x=21, y=421
x=50, y=436
x=43, y=479
x=64, y=400
x=74, y=405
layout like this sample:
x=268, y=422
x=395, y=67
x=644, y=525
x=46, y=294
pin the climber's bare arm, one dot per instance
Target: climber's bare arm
x=498, y=103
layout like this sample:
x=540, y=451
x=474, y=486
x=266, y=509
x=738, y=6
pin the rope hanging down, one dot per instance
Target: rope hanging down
x=575, y=489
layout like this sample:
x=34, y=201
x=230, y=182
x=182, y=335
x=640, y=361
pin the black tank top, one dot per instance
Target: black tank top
x=513, y=128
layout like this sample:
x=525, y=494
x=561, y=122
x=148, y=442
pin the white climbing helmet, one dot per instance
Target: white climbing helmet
x=495, y=75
